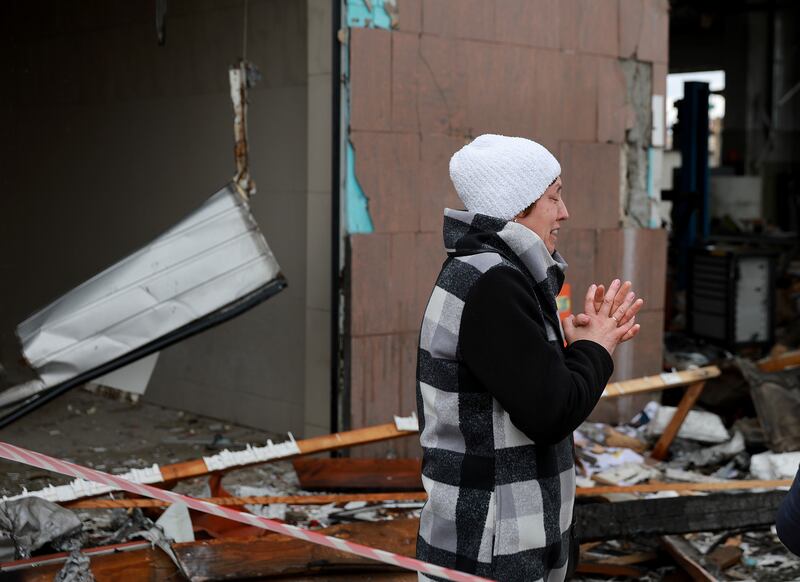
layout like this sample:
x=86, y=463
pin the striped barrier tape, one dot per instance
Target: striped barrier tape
x=34, y=459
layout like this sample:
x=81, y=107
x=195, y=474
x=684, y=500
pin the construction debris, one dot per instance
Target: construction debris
x=696, y=488
x=343, y=474
x=187, y=280
x=704, y=427
x=28, y=524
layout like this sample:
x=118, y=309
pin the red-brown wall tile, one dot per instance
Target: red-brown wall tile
x=468, y=19
x=371, y=307
x=529, y=22
x=405, y=57
x=403, y=283
x=591, y=176
x=630, y=27
x=387, y=170
x=612, y=107
x=578, y=111
x=598, y=29
x=409, y=14
x=375, y=395
x=509, y=112
x=430, y=257
x=383, y=384
x=548, y=99
x=638, y=255
x=442, y=85
x=371, y=82
x=589, y=26
x=384, y=284
x=436, y=191
x=654, y=37
x=578, y=247
x=568, y=24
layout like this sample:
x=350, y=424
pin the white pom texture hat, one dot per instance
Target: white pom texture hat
x=501, y=176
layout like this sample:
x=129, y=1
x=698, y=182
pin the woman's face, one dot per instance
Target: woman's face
x=546, y=215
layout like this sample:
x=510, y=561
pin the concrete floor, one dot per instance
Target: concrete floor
x=115, y=435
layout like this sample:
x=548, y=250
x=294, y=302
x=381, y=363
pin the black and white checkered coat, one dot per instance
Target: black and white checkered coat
x=498, y=398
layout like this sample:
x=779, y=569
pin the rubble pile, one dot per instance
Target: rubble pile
x=706, y=503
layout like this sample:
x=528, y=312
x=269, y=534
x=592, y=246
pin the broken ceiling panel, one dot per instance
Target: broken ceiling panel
x=210, y=267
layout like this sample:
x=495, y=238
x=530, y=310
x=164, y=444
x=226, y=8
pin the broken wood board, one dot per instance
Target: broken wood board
x=710, y=486
x=319, y=444
x=671, y=431
x=345, y=474
x=609, y=569
x=272, y=555
x=725, y=556
x=140, y=565
x=781, y=362
x=276, y=555
x=225, y=461
x=615, y=438
x=660, y=382
x=624, y=560
x=687, y=558
x=257, y=500
x=676, y=515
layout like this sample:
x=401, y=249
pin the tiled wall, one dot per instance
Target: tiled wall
x=451, y=70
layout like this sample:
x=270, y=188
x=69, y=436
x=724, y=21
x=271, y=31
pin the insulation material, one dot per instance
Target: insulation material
x=203, y=266
x=704, y=427
x=31, y=523
x=768, y=465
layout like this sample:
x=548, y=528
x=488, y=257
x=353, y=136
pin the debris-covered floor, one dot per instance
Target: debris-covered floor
x=115, y=435
x=711, y=451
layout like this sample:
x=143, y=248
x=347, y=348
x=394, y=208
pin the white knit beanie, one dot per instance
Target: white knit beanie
x=501, y=176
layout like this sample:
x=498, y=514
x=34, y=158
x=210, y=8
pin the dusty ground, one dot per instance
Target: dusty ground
x=113, y=435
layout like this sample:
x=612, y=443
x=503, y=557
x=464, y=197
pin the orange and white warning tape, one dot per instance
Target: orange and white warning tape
x=34, y=459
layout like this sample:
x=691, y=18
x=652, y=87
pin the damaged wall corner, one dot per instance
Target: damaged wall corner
x=636, y=201
x=359, y=220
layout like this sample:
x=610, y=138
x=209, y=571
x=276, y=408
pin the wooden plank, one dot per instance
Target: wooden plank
x=684, y=406
x=657, y=487
x=422, y=496
x=781, y=362
x=146, y=565
x=347, y=474
x=61, y=557
x=660, y=382
x=675, y=515
x=256, y=500
x=276, y=555
x=269, y=555
x=629, y=559
x=687, y=558
x=609, y=569
x=319, y=444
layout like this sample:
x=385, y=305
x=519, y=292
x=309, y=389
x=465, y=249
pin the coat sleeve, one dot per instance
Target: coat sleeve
x=787, y=521
x=503, y=342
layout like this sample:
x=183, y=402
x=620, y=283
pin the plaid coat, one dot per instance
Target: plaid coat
x=498, y=398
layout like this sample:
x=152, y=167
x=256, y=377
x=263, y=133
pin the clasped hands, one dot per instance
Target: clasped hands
x=609, y=318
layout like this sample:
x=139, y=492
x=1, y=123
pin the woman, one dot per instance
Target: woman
x=498, y=394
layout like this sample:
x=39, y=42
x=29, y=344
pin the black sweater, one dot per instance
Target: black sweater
x=547, y=391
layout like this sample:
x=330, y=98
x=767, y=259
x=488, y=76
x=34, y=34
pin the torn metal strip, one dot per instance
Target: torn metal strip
x=242, y=76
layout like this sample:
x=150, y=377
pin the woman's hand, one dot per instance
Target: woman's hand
x=614, y=320
x=622, y=293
